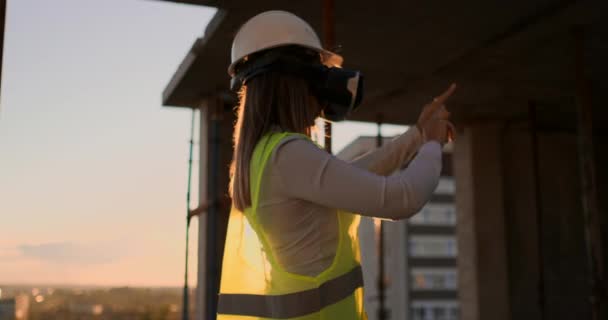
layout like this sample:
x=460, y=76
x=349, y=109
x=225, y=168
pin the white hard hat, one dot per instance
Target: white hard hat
x=273, y=29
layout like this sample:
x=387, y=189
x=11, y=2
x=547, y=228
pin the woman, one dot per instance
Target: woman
x=292, y=250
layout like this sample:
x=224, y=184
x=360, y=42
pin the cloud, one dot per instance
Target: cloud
x=71, y=253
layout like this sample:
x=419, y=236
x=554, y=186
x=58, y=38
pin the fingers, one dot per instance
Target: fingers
x=447, y=131
x=451, y=131
x=436, y=130
x=443, y=113
x=436, y=109
x=444, y=96
x=431, y=110
x=438, y=104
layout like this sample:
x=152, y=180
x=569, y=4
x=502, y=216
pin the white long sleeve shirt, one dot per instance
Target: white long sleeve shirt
x=303, y=186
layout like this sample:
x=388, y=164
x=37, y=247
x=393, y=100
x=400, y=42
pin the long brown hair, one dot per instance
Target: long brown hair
x=268, y=101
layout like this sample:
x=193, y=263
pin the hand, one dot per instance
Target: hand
x=435, y=110
x=438, y=130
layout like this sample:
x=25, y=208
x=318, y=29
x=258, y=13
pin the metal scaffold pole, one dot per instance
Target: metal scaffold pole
x=186, y=302
x=2, y=23
x=214, y=208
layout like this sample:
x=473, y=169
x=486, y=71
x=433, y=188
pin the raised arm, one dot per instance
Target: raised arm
x=393, y=155
x=309, y=173
x=397, y=153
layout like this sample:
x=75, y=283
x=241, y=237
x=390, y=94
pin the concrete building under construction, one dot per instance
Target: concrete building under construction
x=529, y=162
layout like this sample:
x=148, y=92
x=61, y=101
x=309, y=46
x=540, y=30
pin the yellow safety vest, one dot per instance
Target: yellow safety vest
x=255, y=286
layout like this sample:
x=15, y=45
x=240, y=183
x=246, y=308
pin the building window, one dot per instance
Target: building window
x=418, y=313
x=433, y=279
x=442, y=214
x=434, y=310
x=454, y=313
x=439, y=313
x=432, y=246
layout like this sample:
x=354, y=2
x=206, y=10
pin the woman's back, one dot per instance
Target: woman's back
x=303, y=234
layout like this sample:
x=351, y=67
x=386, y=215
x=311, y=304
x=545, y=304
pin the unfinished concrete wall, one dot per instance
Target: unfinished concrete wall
x=498, y=221
x=520, y=218
x=601, y=160
x=556, y=250
x=565, y=264
x=482, y=259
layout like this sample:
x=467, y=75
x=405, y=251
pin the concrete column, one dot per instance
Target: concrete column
x=482, y=250
x=199, y=302
x=213, y=112
x=522, y=216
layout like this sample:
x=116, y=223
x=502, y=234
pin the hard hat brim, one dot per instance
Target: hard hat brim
x=329, y=58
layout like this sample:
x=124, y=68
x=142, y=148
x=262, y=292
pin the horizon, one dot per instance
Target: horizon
x=84, y=286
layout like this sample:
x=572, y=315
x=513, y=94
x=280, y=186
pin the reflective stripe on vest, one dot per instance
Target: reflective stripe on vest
x=294, y=304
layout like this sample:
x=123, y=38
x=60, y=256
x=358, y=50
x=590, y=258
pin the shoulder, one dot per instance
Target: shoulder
x=296, y=148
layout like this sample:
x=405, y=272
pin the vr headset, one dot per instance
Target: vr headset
x=338, y=90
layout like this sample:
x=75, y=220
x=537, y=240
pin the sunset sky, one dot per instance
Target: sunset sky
x=92, y=168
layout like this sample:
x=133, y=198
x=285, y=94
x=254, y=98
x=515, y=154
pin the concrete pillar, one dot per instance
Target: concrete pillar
x=565, y=264
x=199, y=302
x=503, y=252
x=482, y=250
x=214, y=109
x=521, y=217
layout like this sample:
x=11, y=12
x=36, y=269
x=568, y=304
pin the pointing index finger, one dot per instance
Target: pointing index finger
x=444, y=96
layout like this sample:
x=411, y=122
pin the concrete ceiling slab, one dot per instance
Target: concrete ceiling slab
x=502, y=54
